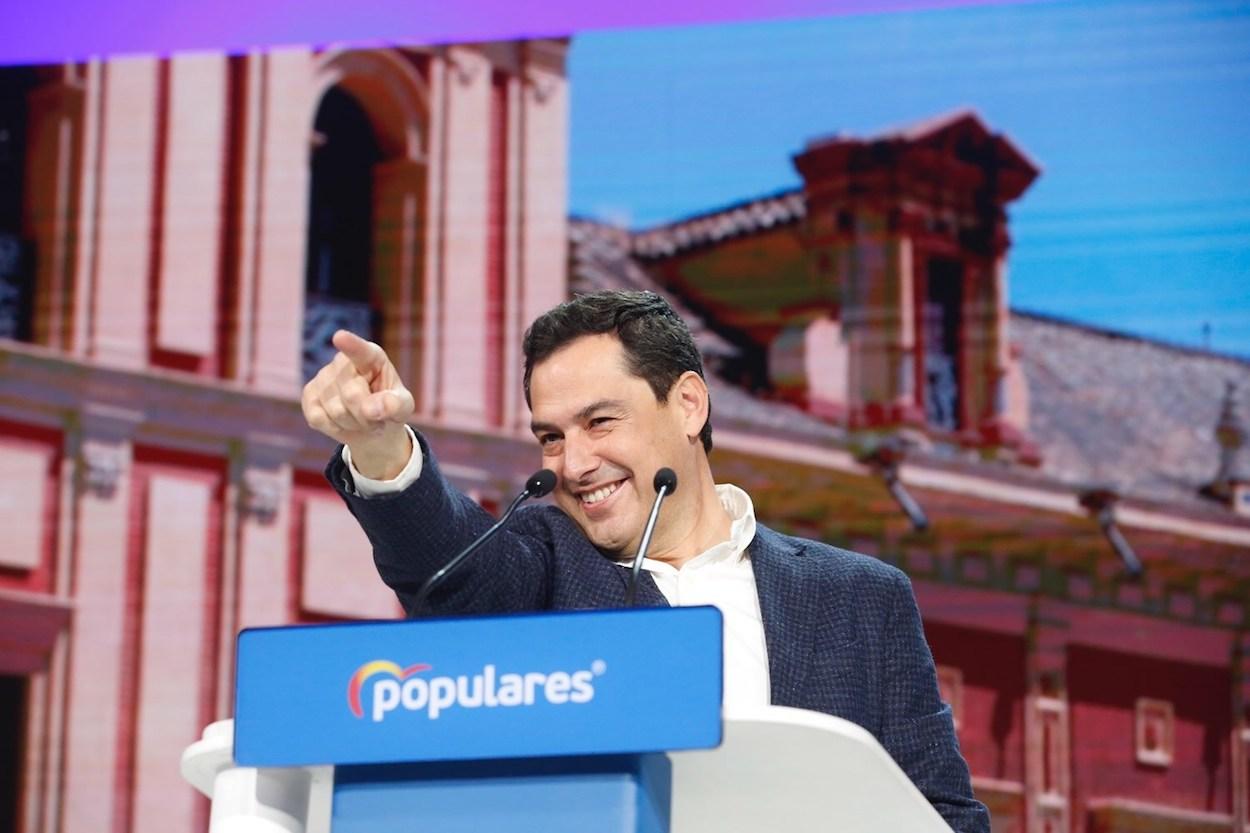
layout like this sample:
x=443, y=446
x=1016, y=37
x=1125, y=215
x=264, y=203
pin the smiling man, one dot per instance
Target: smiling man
x=616, y=389
x=605, y=431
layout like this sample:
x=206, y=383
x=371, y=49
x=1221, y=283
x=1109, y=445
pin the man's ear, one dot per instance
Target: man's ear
x=690, y=396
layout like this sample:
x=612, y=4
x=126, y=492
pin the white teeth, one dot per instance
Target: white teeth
x=599, y=494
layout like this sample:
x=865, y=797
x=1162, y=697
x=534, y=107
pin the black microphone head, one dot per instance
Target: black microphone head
x=540, y=483
x=665, y=478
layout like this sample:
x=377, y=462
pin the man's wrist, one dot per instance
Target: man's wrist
x=363, y=486
x=385, y=457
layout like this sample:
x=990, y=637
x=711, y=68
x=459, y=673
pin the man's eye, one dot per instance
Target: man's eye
x=547, y=439
x=600, y=421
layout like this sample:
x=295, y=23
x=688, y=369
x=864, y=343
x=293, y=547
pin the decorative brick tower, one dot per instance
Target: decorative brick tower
x=912, y=228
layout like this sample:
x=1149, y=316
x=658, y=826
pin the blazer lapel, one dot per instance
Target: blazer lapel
x=790, y=608
x=648, y=594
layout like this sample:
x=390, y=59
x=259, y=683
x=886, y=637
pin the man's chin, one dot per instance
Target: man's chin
x=613, y=546
x=604, y=544
x=610, y=542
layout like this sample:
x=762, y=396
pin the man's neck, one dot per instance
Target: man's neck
x=711, y=525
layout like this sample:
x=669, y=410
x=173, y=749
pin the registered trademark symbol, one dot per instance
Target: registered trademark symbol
x=598, y=667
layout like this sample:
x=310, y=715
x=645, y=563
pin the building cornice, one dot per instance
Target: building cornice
x=1027, y=490
x=215, y=416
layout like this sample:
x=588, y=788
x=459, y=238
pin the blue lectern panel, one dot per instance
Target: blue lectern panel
x=616, y=793
x=572, y=683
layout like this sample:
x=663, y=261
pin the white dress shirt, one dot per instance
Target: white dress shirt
x=721, y=576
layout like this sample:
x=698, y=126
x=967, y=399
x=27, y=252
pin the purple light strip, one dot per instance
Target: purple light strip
x=51, y=31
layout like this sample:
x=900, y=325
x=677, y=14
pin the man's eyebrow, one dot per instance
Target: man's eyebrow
x=582, y=415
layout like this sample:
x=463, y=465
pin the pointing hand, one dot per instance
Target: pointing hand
x=359, y=400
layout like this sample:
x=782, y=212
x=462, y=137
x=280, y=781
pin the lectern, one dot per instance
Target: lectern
x=574, y=721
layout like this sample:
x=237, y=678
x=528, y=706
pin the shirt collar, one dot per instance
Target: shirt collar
x=741, y=532
x=742, y=514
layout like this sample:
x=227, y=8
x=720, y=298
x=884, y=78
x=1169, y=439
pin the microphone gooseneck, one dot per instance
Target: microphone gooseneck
x=665, y=484
x=539, y=484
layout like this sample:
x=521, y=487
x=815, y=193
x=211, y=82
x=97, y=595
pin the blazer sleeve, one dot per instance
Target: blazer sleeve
x=917, y=727
x=416, y=531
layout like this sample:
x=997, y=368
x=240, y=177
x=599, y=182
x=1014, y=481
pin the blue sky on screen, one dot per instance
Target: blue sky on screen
x=1138, y=113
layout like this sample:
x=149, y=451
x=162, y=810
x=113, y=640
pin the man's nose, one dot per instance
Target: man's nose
x=580, y=458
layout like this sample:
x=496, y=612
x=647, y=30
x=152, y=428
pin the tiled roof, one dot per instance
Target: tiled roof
x=1123, y=412
x=713, y=227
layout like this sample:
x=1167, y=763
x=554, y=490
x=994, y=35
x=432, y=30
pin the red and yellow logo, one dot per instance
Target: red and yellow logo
x=369, y=669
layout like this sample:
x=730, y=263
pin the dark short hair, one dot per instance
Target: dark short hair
x=657, y=343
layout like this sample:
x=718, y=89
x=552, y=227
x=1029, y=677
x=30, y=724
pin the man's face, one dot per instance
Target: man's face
x=605, y=435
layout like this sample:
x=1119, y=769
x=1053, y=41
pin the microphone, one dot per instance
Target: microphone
x=665, y=484
x=539, y=484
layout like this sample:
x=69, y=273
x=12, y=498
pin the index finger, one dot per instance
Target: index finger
x=367, y=357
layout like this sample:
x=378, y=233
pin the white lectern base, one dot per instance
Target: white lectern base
x=797, y=771
x=777, y=769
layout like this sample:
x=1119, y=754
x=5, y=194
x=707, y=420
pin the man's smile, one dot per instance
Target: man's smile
x=596, y=502
x=599, y=493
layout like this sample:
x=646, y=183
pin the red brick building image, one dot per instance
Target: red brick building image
x=181, y=231
x=180, y=235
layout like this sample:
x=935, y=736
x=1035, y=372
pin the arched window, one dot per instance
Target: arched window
x=13, y=708
x=339, y=290
x=17, y=260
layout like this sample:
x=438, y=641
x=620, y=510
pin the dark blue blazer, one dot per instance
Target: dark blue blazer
x=842, y=629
